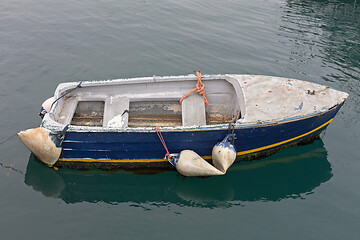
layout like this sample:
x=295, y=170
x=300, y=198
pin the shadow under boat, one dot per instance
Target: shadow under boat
x=291, y=173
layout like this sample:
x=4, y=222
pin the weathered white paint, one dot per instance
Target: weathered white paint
x=271, y=99
x=116, y=122
x=114, y=109
x=39, y=142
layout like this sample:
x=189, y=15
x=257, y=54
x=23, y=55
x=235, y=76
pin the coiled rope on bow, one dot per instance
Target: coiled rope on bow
x=199, y=89
x=167, y=155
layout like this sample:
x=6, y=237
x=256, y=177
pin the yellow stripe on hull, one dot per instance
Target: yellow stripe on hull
x=205, y=157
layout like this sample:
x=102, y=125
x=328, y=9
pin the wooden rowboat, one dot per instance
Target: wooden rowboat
x=112, y=123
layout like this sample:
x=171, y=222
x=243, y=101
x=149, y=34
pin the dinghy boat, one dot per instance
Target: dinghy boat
x=114, y=123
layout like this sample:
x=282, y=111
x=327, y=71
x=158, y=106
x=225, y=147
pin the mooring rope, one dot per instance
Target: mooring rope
x=11, y=169
x=11, y=166
x=199, y=89
x=167, y=155
x=8, y=138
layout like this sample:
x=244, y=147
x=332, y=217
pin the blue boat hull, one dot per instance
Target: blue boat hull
x=144, y=149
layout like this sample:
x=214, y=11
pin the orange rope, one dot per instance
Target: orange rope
x=167, y=155
x=199, y=89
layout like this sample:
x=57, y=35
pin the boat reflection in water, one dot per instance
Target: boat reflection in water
x=291, y=173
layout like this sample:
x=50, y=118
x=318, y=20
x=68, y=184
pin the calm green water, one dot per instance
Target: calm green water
x=304, y=192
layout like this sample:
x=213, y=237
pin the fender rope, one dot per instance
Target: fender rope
x=199, y=89
x=167, y=155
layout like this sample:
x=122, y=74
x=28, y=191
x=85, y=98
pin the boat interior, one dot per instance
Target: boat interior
x=154, y=101
x=149, y=104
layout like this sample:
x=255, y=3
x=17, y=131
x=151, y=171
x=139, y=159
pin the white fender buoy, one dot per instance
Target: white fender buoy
x=190, y=164
x=42, y=144
x=46, y=106
x=223, y=155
